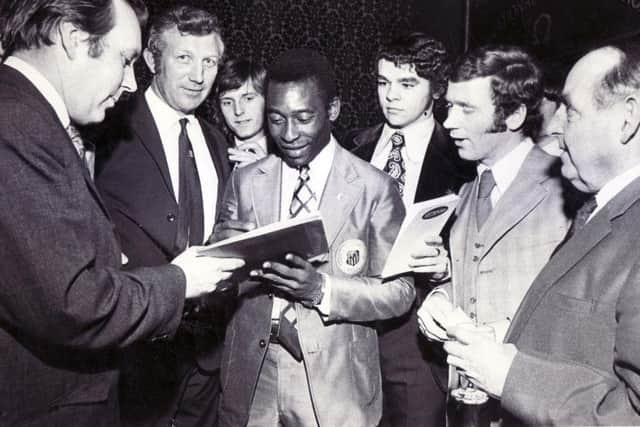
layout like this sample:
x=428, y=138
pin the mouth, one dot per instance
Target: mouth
x=242, y=122
x=294, y=151
x=392, y=110
x=192, y=92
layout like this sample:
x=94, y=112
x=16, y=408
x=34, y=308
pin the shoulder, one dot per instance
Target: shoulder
x=359, y=137
x=212, y=131
x=370, y=175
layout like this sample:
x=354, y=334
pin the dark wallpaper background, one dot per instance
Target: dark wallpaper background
x=348, y=32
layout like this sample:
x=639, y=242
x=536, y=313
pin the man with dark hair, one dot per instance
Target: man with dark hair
x=162, y=177
x=511, y=217
x=300, y=350
x=412, y=74
x=240, y=94
x=66, y=307
x=574, y=355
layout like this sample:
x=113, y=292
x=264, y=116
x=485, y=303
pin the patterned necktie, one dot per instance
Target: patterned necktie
x=395, y=166
x=190, y=211
x=302, y=194
x=483, y=208
x=85, y=150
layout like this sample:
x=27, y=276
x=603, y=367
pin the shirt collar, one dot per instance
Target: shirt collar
x=615, y=186
x=414, y=136
x=165, y=116
x=43, y=86
x=505, y=170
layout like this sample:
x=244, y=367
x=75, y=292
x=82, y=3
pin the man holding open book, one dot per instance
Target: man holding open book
x=300, y=349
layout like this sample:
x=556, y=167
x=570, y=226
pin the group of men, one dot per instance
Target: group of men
x=109, y=315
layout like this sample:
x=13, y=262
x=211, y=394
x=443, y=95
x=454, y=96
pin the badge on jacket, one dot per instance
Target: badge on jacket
x=352, y=256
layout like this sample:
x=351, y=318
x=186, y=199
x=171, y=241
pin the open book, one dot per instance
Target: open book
x=422, y=219
x=304, y=236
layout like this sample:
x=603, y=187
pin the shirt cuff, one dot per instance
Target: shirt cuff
x=325, y=305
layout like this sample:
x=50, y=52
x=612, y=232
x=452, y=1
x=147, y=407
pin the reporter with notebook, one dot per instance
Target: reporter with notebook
x=299, y=350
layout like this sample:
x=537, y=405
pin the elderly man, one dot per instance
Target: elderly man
x=573, y=352
x=66, y=307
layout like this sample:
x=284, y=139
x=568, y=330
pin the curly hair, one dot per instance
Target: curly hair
x=187, y=19
x=30, y=24
x=516, y=79
x=427, y=55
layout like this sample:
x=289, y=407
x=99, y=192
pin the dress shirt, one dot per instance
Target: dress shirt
x=167, y=122
x=416, y=141
x=319, y=169
x=505, y=170
x=613, y=187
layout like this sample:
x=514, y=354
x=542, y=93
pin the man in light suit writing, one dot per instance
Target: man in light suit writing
x=66, y=308
x=299, y=350
x=573, y=352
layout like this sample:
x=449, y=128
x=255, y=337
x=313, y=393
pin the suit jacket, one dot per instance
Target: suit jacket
x=133, y=178
x=65, y=305
x=577, y=328
x=492, y=269
x=361, y=209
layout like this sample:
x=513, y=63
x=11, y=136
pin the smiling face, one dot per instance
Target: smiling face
x=186, y=69
x=471, y=121
x=404, y=96
x=298, y=119
x=99, y=80
x=243, y=111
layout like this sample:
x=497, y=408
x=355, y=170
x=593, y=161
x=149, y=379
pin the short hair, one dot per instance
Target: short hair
x=516, y=79
x=302, y=64
x=236, y=72
x=427, y=55
x=30, y=24
x=186, y=19
x=622, y=79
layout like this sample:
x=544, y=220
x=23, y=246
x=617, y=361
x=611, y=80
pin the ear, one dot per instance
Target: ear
x=149, y=60
x=71, y=39
x=631, y=118
x=516, y=119
x=334, y=109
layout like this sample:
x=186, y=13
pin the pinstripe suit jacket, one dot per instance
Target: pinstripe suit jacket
x=492, y=269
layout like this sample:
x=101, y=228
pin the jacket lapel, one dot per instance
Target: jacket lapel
x=366, y=141
x=217, y=145
x=265, y=191
x=340, y=194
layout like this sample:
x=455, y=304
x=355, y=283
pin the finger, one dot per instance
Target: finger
x=462, y=333
x=434, y=330
x=279, y=282
x=454, y=348
x=458, y=362
x=281, y=270
x=233, y=224
x=242, y=158
x=226, y=264
x=435, y=268
x=257, y=148
x=298, y=261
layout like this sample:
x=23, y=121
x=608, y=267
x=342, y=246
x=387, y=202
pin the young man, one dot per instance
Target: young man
x=416, y=151
x=324, y=371
x=162, y=177
x=574, y=357
x=67, y=308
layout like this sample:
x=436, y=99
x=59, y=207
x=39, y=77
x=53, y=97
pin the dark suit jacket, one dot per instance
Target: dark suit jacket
x=65, y=305
x=412, y=395
x=577, y=328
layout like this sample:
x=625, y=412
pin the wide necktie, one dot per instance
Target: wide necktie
x=580, y=220
x=483, y=208
x=395, y=166
x=190, y=212
x=85, y=150
x=288, y=331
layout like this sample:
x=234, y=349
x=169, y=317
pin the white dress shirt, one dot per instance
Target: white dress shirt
x=167, y=122
x=319, y=169
x=505, y=170
x=416, y=141
x=613, y=187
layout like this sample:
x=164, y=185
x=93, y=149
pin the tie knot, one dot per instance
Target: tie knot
x=587, y=209
x=304, y=172
x=487, y=182
x=183, y=123
x=397, y=139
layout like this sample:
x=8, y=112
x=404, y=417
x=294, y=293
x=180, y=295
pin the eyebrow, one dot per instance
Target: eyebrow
x=408, y=80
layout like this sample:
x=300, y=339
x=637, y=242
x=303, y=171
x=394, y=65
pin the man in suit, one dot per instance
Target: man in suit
x=324, y=371
x=66, y=306
x=145, y=186
x=573, y=353
x=412, y=74
x=511, y=217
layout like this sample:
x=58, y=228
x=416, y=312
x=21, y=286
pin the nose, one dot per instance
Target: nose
x=450, y=121
x=290, y=132
x=129, y=80
x=196, y=74
x=557, y=124
x=238, y=108
x=392, y=92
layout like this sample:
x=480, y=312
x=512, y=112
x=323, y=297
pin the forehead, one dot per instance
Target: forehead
x=246, y=87
x=391, y=71
x=588, y=72
x=473, y=92
x=206, y=45
x=303, y=95
x=125, y=34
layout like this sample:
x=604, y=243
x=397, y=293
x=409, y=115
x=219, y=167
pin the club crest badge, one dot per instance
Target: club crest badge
x=352, y=256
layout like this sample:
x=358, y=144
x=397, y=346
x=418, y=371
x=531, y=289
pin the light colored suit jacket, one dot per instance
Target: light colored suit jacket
x=362, y=211
x=578, y=328
x=492, y=269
